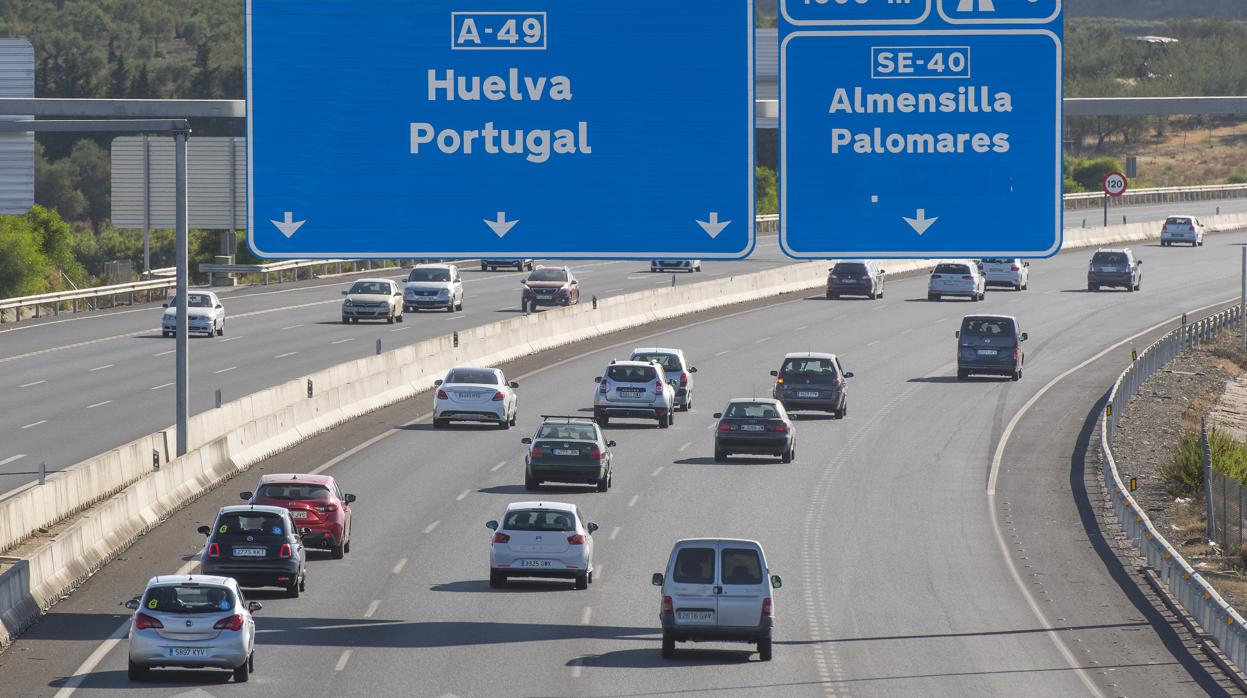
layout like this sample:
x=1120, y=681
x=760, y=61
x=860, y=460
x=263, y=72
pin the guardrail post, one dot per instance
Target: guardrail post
x=1206, y=457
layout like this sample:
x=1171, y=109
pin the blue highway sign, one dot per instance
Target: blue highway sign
x=467, y=128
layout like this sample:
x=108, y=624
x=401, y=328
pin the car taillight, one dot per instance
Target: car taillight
x=780, y=427
x=658, y=386
x=1014, y=268
x=285, y=550
x=1192, y=229
x=683, y=380
x=595, y=453
x=327, y=507
x=766, y=608
x=602, y=387
x=502, y=538
x=214, y=550
x=967, y=277
x=499, y=396
x=1017, y=351
x=537, y=452
x=723, y=426
x=233, y=622
x=576, y=539
x=441, y=395
x=667, y=605
x=142, y=621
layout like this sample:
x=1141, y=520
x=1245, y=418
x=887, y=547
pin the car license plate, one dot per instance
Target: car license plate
x=535, y=563
x=1109, y=270
x=631, y=391
x=807, y=394
x=752, y=427
x=566, y=452
x=694, y=616
x=298, y=514
x=987, y=352
x=250, y=552
x=188, y=652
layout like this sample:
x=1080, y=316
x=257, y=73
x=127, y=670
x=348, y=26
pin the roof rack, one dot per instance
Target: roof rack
x=567, y=416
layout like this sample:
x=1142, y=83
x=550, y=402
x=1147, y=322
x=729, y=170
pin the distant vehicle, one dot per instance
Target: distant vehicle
x=636, y=390
x=315, y=503
x=373, y=299
x=990, y=344
x=855, y=279
x=674, y=365
x=717, y=589
x=568, y=449
x=541, y=539
x=259, y=546
x=1184, y=229
x=469, y=394
x=550, y=286
x=433, y=286
x=754, y=426
x=812, y=381
x=958, y=278
x=191, y=621
x=204, y=314
x=1010, y=272
x=689, y=265
x=519, y=264
x=1116, y=268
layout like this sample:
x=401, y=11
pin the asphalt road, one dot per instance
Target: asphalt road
x=902, y=575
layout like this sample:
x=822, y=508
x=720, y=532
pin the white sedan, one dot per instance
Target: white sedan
x=475, y=395
x=204, y=314
x=541, y=539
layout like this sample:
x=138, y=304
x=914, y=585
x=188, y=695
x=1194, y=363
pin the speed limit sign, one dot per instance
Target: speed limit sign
x=1115, y=184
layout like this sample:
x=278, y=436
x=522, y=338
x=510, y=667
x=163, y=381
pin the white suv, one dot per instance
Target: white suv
x=1006, y=271
x=433, y=286
x=675, y=365
x=957, y=278
x=635, y=389
x=1184, y=229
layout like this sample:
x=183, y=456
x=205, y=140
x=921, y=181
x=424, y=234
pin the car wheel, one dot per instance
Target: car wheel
x=602, y=420
x=483, y=267
x=668, y=646
x=354, y=321
x=401, y=316
x=789, y=455
x=136, y=672
x=242, y=673
x=664, y=422
x=604, y=483
x=1138, y=286
x=459, y=305
x=933, y=296
x=303, y=582
x=582, y=581
x=164, y=334
x=531, y=484
x=389, y=319
x=292, y=591
x=504, y=423
x=337, y=552
x=346, y=320
x=1093, y=287
x=497, y=580
x=831, y=295
x=439, y=423
x=1016, y=376
x=346, y=547
x=764, y=649
x=1131, y=288
x=962, y=374
x=719, y=456
x=220, y=331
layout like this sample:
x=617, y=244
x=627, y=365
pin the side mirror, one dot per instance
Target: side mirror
x=1024, y=337
x=204, y=530
x=526, y=440
x=610, y=444
x=656, y=580
x=591, y=527
x=673, y=383
x=514, y=384
x=254, y=606
x=957, y=334
x=830, y=269
x=776, y=582
x=219, y=306
x=1026, y=264
x=717, y=415
x=882, y=272
x=1138, y=262
x=491, y=525
x=437, y=382
x=692, y=369
x=597, y=379
x=305, y=531
x=575, y=282
x=349, y=498
x=166, y=305
x=774, y=373
x=848, y=374
x=132, y=604
x=245, y=496
x=344, y=293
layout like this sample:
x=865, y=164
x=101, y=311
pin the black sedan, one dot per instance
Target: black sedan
x=754, y=426
x=568, y=449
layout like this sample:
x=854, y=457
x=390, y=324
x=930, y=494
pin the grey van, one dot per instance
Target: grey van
x=990, y=344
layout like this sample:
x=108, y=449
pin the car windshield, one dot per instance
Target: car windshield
x=1175, y=220
x=751, y=410
x=987, y=327
x=295, y=491
x=694, y=566
x=1109, y=258
x=741, y=566
x=570, y=432
x=429, y=275
x=951, y=269
x=193, y=300
x=538, y=520
x=250, y=523
x=631, y=374
x=375, y=288
x=849, y=268
x=472, y=375
x=669, y=362
x=188, y=599
x=808, y=367
x=548, y=275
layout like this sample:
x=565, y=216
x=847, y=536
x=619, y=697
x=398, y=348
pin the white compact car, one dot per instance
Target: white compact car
x=204, y=314
x=957, y=278
x=676, y=367
x=192, y=621
x=689, y=265
x=541, y=539
x=373, y=299
x=475, y=395
x=1006, y=271
x=433, y=287
x=1183, y=229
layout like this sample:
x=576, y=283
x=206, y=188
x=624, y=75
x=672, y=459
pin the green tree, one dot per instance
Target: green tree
x=94, y=180
x=23, y=268
x=1089, y=174
x=766, y=191
x=56, y=186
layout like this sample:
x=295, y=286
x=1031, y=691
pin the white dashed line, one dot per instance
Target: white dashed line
x=32, y=384
x=586, y=615
x=282, y=356
x=725, y=352
x=344, y=341
x=226, y=370
x=657, y=470
x=430, y=527
x=685, y=446
x=764, y=339
x=871, y=344
x=612, y=290
x=101, y=368
x=577, y=667
x=498, y=467
x=455, y=317
x=230, y=339
x=162, y=385
x=99, y=404
x=165, y=353
x=290, y=327
x=372, y=608
x=346, y=657
x=907, y=331
x=614, y=532
x=633, y=501
x=35, y=424
x=401, y=329
x=462, y=495
x=399, y=567
x=802, y=328
x=12, y=459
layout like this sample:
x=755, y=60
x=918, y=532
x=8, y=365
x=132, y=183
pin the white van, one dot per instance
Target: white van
x=717, y=589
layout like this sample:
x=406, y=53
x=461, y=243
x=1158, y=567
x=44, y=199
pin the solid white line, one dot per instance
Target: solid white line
x=633, y=501
x=399, y=567
x=165, y=353
x=282, y=356
x=657, y=470
x=586, y=615
x=290, y=327
x=498, y=467
x=614, y=532
x=343, y=341
x=430, y=527
x=226, y=370
x=685, y=446
x=11, y=459
x=99, y=404
x=462, y=495
x=88, y=665
x=35, y=424
x=372, y=608
x=346, y=657
x=30, y=384
x=162, y=385
x=100, y=368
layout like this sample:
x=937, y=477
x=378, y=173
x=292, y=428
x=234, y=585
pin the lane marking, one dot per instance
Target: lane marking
x=725, y=352
x=908, y=331
x=290, y=327
x=230, y=339
x=282, y=356
x=344, y=341
x=31, y=384
x=614, y=532
x=165, y=353
x=35, y=424
x=12, y=459
x=455, y=317
x=586, y=615
x=99, y=404
x=498, y=467
x=462, y=495
x=346, y=657
x=398, y=568
x=657, y=470
x=162, y=385
x=225, y=370
x=802, y=328
x=404, y=328
x=764, y=339
x=612, y=290
x=874, y=342
x=101, y=368
x=430, y=527
x=372, y=608
x=685, y=446
x=577, y=666
x=597, y=571
x=633, y=501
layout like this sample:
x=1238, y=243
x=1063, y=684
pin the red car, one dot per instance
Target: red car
x=315, y=502
x=550, y=286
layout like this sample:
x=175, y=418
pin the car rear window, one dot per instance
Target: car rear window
x=1175, y=220
x=429, y=275
x=987, y=327
x=251, y=523
x=295, y=491
x=741, y=566
x=997, y=260
x=951, y=269
x=480, y=377
x=751, y=410
x=631, y=374
x=694, y=566
x=808, y=367
x=849, y=268
x=669, y=362
x=1118, y=258
x=188, y=599
x=548, y=275
x=370, y=287
x=538, y=520
x=570, y=432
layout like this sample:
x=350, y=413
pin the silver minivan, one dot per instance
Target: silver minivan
x=717, y=590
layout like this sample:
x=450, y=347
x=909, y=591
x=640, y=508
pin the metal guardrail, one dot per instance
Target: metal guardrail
x=87, y=297
x=1159, y=195
x=1218, y=619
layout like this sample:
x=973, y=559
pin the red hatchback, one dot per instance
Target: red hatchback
x=315, y=502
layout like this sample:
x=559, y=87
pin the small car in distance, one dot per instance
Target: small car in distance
x=541, y=539
x=373, y=299
x=1184, y=229
x=636, y=390
x=204, y=314
x=990, y=344
x=1009, y=272
x=519, y=264
x=571, y=450
x=674, y=365
x=315, y=503
x=1117, y=268
x=855, y=279
x=469, y=394
x=550, y=286
x=958, y=278
x=812, y=381
x=259, y=546
x=692, y=266
x=433, y=287
x=191, y=621
x=717, y=589
x=754, y=426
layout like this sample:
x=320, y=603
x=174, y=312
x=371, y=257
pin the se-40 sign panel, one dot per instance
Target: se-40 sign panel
x=467, y=128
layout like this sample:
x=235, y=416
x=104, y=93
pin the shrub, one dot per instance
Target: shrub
x=1238, y=177
x=1184, y=473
